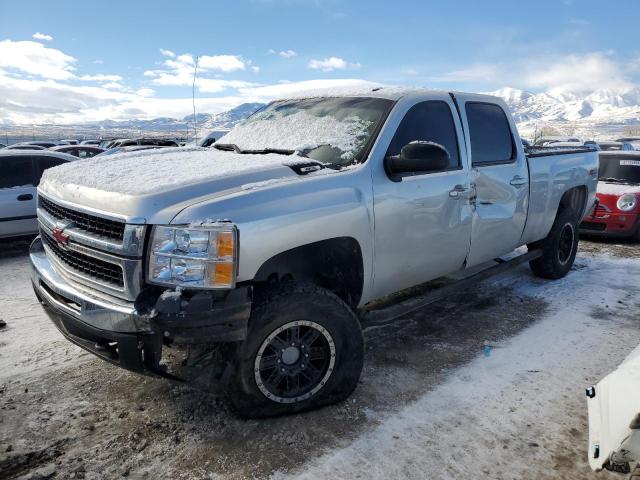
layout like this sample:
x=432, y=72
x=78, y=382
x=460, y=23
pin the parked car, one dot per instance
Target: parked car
x=42, y=143
x=544, y=141
x=80, y=151
x=90, y=142
x=129, y=142
x=68, y=142
x=24, y=146
x=133, y=148
x=257, y=255
x=2, y=145
x=21, y=172
x=617, y=211
x=614, y=419
x=628, y=139
x=212, y=137
x=615, y=146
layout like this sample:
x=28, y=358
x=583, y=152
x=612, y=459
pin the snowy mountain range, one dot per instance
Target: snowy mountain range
x=604, y=109
x=600, y=113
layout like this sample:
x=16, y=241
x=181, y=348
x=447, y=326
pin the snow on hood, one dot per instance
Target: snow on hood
x=610, y=188
x=303, y=131
x=158, y=170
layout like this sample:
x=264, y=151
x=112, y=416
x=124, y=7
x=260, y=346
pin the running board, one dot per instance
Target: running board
x=388, y=314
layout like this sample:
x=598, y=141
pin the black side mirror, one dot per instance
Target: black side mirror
x=416, y=158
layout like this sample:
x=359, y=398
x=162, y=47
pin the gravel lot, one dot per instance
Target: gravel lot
x=488, y=384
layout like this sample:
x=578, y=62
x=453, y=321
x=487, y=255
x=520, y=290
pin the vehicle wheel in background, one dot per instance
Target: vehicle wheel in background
x=304, y=350
x=559, y=248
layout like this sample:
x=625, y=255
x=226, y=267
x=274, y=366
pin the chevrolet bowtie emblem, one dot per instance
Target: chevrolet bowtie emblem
x=61, y=237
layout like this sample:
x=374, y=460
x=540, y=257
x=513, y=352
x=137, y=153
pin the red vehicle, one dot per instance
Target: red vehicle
x=617, y=211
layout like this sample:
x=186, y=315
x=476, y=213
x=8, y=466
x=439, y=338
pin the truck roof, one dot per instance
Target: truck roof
x=389, y=92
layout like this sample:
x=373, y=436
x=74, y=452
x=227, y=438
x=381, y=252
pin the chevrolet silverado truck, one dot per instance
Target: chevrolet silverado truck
x=243, y=268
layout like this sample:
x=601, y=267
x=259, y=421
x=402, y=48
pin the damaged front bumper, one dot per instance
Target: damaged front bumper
x=144, y=336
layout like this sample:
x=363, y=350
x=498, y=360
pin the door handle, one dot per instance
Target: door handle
x=25, y=197
x=518, y=181
x=459, y=191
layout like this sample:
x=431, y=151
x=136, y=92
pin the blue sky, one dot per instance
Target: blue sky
x=134, y=59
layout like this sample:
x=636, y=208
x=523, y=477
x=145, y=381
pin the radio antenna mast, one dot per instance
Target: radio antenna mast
x=193, y=99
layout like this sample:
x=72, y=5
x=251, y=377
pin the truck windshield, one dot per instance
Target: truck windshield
x=329, y=130
x=620, y=168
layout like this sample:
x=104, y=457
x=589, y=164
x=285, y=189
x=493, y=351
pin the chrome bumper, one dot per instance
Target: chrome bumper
x=60, y=295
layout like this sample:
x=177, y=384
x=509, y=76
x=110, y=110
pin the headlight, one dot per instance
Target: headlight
x=627, y=202
x=194, y=257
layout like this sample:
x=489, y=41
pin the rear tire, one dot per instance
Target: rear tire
x=304, y=349
x=559, y=249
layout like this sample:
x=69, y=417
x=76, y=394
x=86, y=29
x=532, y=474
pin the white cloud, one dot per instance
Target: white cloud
x=553, y=74
x=42, y=36
x=473, y=73
x=287, y=53
x=284, y=88
x=223, y=63
x=255, y=68
x=100, y=77
x=36, y=59
x=167, y=53
x=98, y=62
x=330, y=64
x=114, y=86
x=146, y=92
x=576, y=74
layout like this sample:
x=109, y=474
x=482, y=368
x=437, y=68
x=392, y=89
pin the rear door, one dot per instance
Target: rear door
x=500, y=175
x=17, y=196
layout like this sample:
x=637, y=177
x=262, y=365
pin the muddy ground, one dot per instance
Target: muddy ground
x=66, y=414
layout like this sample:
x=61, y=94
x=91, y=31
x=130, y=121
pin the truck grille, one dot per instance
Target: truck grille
x=91, y=267
x=101, y=226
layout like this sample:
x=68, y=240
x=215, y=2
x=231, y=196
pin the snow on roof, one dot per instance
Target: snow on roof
x=366, y=89
x=152, y=171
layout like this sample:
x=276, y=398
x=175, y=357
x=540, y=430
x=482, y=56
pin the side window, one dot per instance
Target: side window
x=42, y=163
x=16, y=172
x=489, y=133
x=428, y=121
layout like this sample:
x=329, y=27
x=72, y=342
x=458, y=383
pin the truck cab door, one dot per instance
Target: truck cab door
x=422, y=220
x=500, y=177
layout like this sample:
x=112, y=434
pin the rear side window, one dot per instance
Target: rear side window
x=428, y=121
x=489, y=133
x=15, y=172
x=42, y=163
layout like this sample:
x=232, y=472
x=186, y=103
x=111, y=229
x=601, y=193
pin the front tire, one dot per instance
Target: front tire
x=304, y=349
x=559, y=249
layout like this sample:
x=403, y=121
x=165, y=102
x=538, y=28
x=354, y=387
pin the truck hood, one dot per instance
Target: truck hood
x=153, y=186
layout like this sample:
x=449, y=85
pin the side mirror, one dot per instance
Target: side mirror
x=416, y=158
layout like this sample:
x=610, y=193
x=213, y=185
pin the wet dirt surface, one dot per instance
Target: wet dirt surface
x=66, y=414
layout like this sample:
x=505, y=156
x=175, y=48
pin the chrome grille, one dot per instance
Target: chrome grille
x=111, y=229
x=86, y=265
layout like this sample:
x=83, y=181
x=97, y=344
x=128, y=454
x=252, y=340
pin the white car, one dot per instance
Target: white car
x=614, y=419
x=21, y=172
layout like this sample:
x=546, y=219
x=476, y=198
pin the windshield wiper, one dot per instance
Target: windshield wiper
x=232, y=147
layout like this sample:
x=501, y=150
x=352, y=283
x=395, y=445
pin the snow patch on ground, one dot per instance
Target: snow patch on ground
x=455, y=430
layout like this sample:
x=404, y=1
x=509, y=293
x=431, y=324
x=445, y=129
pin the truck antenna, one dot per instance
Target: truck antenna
x=193, y=99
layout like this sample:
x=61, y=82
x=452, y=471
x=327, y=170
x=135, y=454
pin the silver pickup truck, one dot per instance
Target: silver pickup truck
x=244, y=267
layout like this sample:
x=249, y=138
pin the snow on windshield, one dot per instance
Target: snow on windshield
x=301, y=131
